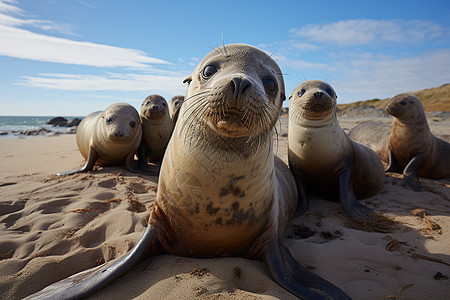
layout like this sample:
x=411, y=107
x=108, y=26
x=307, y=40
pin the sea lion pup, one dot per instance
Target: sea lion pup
x=375, y=135
x=157, y=128
x=221, y=191
x=413, y=149
x=175, y=104
x=323, y=158
x=109, y=138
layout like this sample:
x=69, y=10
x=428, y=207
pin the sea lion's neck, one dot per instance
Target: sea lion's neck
x=327, y=121
x=221, y=195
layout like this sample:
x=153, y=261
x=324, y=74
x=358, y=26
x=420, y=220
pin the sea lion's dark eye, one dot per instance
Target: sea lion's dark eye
x=301, y=92
x=403, y=102
x=109, y=121
x=208, y=71
x=164, y=104
x=330, y=92
x=270, y=85
x=132, y=124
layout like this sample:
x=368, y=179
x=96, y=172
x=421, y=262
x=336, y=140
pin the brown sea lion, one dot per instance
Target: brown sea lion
x=157, y=128
x=375, y=135
x=321, y=155
x=221, y=191
x=109, y=138
x=413, y=149
x=174, y=105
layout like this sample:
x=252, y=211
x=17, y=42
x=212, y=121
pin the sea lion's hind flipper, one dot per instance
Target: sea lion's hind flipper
x=90, y=162
x=87, y=282
x=295, y=278
x=410, y=172
x=350, y=203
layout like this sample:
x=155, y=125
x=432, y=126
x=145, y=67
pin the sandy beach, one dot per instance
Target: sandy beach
x=52, y=227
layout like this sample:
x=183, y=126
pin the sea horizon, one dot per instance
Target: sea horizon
x=11, y=126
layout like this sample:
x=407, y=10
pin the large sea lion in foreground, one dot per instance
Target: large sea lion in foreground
x=109, y=138
x=413, y=150
x=221, y=190
x=157, y=128
x=323, y=158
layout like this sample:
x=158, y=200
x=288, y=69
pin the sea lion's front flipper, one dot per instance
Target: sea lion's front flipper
x=87, y=282
x=295, y=278
x=302, y=204
x=393, y=165
x=350, y=203
x=410, y=172
x=90, y=162
x=141, y=166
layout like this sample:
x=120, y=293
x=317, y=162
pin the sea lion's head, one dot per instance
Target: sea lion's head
x=406, y=107
x=120, y=123
x=313, y=100
x=236, y=91
x=154, y=108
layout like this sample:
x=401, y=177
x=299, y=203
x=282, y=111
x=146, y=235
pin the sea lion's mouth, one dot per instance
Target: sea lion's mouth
x=230, y=123
x=154, y=114
x=315, y=111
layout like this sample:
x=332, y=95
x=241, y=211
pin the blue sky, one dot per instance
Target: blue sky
x=71, y=58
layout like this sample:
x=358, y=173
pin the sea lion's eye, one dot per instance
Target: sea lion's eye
x=109, y=121
x=208, y=71
x=403, y=102
x=330, y=92
x=270, y=85
x=132, y=124
x=164, y=104
x=301, y=92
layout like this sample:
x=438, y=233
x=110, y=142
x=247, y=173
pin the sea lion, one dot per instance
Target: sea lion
x=157, y=127
x=221, y=191
x=110, y=137
x=413, y=149
x=375, y=135
x=175, y=104
x=323, y=158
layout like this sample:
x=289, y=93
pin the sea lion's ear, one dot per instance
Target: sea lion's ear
x=188, y=79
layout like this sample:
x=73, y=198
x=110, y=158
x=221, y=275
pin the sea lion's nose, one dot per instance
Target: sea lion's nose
x=318, y=95
x=239, y=85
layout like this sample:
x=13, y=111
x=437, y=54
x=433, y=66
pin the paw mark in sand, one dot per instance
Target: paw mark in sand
x=110, y=183
x=104, y=196
x=138, y=188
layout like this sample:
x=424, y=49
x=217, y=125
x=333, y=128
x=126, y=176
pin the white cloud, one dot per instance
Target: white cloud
x=25, y=44
x=366, y=31
x=111, y=82
x=298, y=64
x=381, y=78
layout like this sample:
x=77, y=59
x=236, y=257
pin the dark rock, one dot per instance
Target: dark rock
x=73, y=123
x=58, y=121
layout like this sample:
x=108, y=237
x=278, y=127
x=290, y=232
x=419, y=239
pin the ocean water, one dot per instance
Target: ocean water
x=10, y=124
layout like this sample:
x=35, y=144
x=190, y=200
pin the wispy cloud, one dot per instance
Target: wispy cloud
x=20, y=43
x=24, y=44
x=366, y=31
x=111, y=82
x=384, y=77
